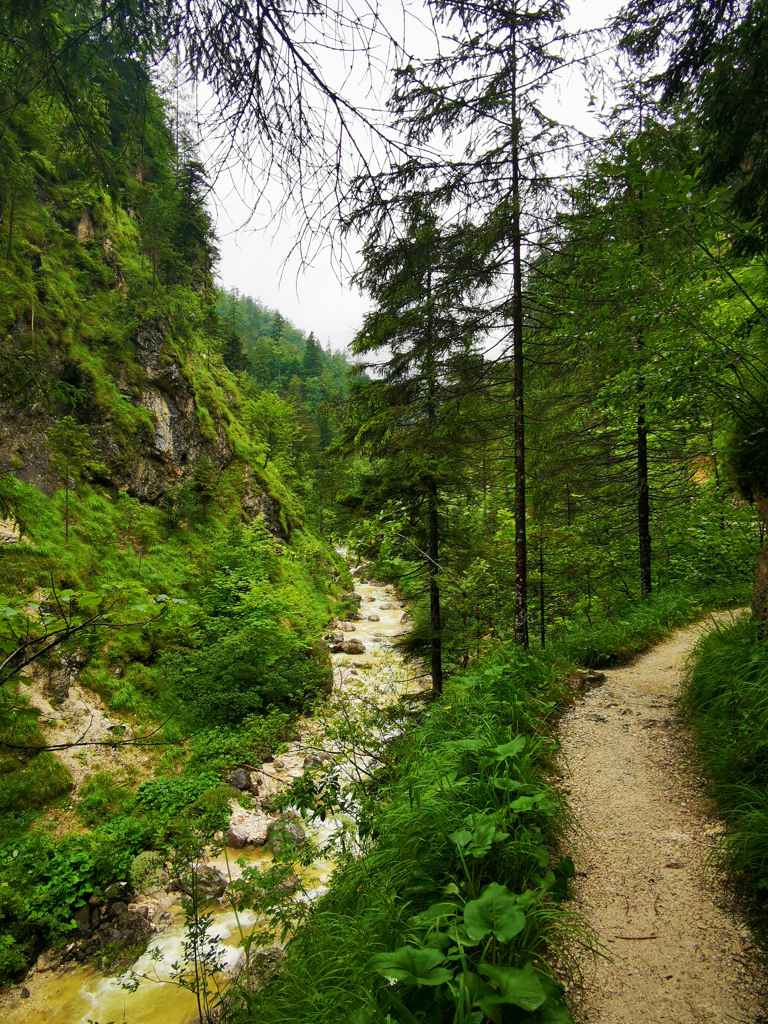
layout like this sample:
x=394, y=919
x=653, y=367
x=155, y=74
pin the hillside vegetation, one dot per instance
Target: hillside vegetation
x=552, y=444
x=159, y=495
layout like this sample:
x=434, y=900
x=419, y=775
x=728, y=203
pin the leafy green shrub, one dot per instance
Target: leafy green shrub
x=168, y=796
x=13, y=962
x=469, y=821
x=101, y=796
x=38, y=783
x=253, y=646
x=147, y=870
x=726, y=700
x=224, y=747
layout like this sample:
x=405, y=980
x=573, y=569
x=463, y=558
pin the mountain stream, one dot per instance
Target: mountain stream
x=83, y=995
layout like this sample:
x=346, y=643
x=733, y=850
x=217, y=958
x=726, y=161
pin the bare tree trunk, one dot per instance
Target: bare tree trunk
x=542, y=602
x=643, y=489
x=435, y=620
x=433, y=524
x=760, y=591
x=521, y=540
x=643, y=503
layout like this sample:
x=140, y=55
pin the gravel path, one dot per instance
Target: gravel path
x=673, y=952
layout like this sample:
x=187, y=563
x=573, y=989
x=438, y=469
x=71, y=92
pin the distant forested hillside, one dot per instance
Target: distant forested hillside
x=300, y=391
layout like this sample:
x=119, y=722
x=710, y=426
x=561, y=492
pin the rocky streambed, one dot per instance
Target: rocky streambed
x=368, y=672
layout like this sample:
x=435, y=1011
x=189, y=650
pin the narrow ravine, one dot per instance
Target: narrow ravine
x=671, y=948
x=81, y=994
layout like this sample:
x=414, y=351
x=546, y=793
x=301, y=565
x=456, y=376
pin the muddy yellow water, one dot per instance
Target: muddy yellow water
x=79, y=995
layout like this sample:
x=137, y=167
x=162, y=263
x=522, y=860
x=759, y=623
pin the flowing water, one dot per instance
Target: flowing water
x=81, y=994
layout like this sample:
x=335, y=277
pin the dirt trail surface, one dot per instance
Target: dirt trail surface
x=674, y=953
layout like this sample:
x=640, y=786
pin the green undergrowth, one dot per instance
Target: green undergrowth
x=457, y=900
x=726, y=701
x=611, y=634
x=455, y=911
x=208, y=642
x=205, y=618
x=633, y=628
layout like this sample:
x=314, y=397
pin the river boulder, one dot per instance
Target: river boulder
x=203, y=881
x=316, y=759
x=239, y=778
x=260, y=965
x=286, y=831
x=247, y=828
x=353, y=647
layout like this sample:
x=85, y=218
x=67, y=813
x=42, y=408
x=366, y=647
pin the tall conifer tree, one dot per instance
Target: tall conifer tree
x=419, y=334
x=484, y=95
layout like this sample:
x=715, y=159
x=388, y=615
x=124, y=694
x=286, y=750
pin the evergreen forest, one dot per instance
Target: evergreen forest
x=416, y=680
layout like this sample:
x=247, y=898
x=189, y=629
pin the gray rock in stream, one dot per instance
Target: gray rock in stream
x=286, y=831
x=251, y=974
x=316, y=759
x=205, y=881
x=353, y=647
x=239, y=778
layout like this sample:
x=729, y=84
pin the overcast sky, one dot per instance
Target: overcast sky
x=256, y=258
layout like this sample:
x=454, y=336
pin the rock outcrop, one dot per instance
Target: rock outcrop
x=103, y=924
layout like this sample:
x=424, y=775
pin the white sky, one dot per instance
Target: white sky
x=256, y=258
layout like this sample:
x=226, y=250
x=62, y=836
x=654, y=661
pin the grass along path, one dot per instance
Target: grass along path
x=671, y=949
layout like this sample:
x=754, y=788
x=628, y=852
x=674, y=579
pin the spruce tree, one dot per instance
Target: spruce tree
x=312, y=362
x=418, y=335
x=484, y=95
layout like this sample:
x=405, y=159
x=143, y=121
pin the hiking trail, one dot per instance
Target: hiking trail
x=674, y=950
